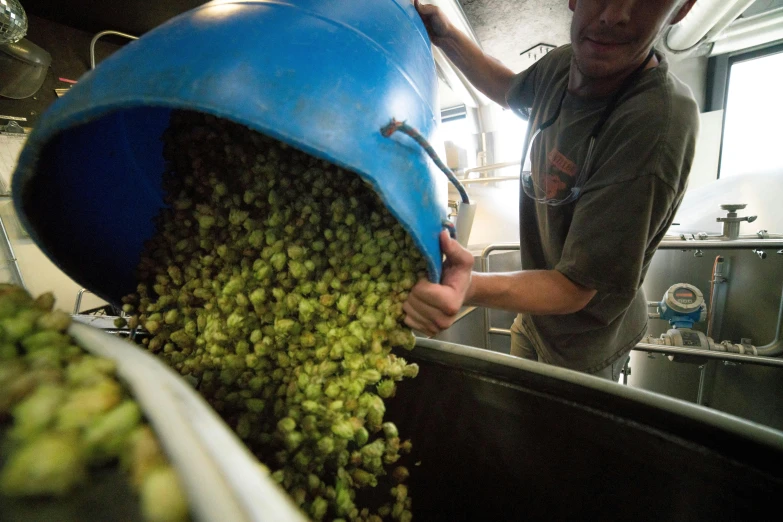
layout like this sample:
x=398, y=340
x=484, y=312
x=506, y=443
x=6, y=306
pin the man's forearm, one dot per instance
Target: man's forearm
x=537, y=292
x=487, y=74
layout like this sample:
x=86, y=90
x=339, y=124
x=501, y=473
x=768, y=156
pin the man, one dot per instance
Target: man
x=610, y=164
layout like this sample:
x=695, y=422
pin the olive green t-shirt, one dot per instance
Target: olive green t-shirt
x=605, y=239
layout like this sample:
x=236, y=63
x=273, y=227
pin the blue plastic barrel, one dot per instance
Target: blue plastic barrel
x=323, y=76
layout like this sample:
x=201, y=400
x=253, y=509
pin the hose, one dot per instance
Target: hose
x=403, y=127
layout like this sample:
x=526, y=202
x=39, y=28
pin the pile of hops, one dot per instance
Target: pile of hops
x=275, y=284
x=64, y=413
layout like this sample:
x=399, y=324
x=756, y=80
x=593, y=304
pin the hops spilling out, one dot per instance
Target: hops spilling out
x=275, y=285
x=65, y=413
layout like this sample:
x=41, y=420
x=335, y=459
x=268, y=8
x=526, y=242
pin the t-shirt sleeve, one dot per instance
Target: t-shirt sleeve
x=612, y=229
x=522, y=92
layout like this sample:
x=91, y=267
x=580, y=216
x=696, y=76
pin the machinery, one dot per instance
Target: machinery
x=683, y=306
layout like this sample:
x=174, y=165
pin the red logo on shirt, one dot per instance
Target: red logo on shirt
x=562, y=163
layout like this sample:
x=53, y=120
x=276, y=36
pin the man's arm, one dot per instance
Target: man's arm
x=536, y=292
x=432, y=308
x=486, y=73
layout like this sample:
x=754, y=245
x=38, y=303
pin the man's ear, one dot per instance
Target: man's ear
x=684, y=10
x=572, y=4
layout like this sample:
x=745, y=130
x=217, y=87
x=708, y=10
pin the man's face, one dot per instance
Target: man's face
x=611, y=37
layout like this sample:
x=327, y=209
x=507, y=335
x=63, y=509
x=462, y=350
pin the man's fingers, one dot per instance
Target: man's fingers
x=416, y=327
x=417, y=321
x=424, y=9
x=454, y=252
x=439, y=297
x=434, y=315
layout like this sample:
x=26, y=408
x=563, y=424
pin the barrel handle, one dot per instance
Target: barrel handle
x=448, y=225
x=395, y=125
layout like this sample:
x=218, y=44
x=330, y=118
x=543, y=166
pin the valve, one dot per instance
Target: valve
x=731, y=223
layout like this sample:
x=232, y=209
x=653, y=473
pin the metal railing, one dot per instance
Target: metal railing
x=487, y=168
x=497, y=247
x=101, y=35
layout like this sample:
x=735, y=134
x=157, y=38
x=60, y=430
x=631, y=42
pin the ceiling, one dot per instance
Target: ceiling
x=505, y=28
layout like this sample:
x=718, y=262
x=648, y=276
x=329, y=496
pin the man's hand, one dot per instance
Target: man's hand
x=438, y=26
x=432, y=308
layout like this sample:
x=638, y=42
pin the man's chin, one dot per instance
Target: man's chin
x=596, y=69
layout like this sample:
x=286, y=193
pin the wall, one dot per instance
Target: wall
x=693, y=73
x=40, y=274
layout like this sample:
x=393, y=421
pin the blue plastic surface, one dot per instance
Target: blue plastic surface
x=680, y=319
x=323, y=76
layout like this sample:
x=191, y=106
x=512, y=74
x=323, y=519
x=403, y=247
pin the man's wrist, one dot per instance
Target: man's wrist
x=470, y=294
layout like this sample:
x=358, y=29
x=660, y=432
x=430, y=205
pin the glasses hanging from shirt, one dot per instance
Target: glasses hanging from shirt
x=551, y=189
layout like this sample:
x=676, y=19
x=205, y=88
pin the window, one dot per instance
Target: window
x=754, y=112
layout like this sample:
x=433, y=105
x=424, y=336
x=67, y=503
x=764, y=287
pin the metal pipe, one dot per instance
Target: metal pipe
x=708, y=354
x=489, y=168
x=485, y=268
x=78, y=305
x=489, y=180
x=776, y=346
x=750, y=32
x=669, y=243
x=499, y=331
x=12, y=255
x=102, y=34
x=719, y=244
x=703, y=18
x=717, y=278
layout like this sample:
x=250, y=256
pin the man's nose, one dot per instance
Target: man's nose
x=617, y=12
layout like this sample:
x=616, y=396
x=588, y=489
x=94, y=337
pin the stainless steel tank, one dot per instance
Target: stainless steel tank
x=746, y=306
x=500, y=438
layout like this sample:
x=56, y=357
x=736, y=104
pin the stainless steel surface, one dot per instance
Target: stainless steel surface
x=709, y=354
x=671, y=350
x=101, y=35
x=746, y=306
x=717, y=279
x=700, y=394
x=487, y=168
x=11, y=255
x=518, y=424
x=505, y=247
x=500, y=331
x=731, y=223
x=78, y=304
x=775, y=347
x=719, y=244
x=489, y=180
